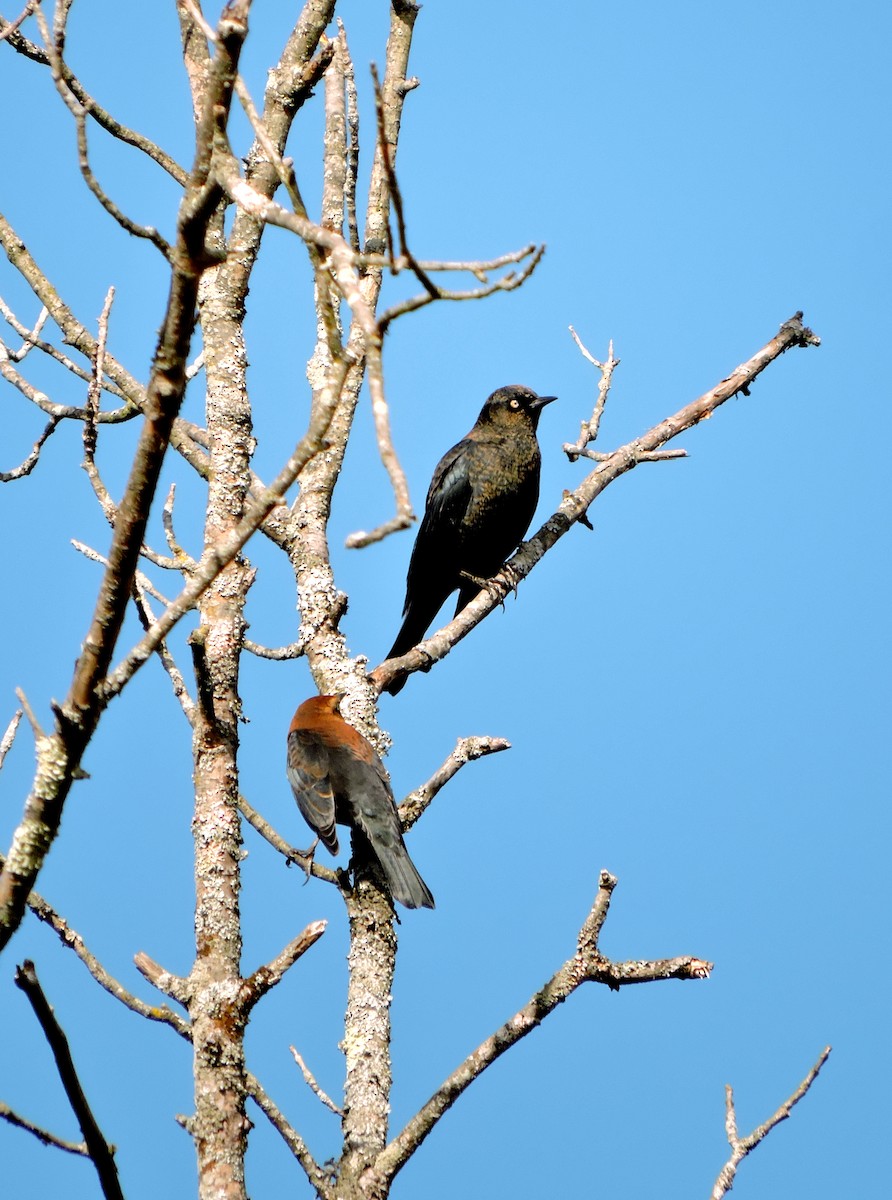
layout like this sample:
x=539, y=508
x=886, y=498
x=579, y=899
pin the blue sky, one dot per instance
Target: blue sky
x=696, y=693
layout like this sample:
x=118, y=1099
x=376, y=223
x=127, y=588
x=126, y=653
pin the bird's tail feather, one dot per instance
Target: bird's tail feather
x=413, y=629
x=406, y=885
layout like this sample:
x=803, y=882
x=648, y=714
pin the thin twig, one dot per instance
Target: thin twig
x=266, y=977
x=741, y=1147
x=506, y=283
x=9, y=736
x=295, y=1143
x=27, y=465
x=42, y=1135
x=30, y=336
x=79, y=113
x=466, y=750
x=36, y=729
x=98, y=1148
x=12, y=26
x=290, y=853
x=589, y=430
x=97, y=113
x=73, y=941
x=310, y=1080
x=396, y=196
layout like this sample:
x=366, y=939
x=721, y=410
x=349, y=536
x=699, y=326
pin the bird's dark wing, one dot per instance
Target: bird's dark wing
x=450, y=491
x=433, y=567
x=308, y=774
x=436, y=556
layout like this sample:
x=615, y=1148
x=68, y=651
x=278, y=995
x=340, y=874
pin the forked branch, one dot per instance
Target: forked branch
x=741, y=1146
x=587, y=965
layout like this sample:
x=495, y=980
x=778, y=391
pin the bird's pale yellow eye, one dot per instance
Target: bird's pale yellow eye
x=514, y=405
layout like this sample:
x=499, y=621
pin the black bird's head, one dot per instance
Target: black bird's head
x=513, y=405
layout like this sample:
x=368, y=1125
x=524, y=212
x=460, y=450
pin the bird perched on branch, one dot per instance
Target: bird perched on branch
x=479, y=506
x=336, y=776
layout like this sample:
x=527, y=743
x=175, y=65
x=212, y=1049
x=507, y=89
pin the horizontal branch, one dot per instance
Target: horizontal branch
x=575, y=504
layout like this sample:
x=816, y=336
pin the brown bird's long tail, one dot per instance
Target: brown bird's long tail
x=406, y=885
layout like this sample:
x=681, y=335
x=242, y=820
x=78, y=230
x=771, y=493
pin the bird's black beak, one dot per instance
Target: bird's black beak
x=541, y=401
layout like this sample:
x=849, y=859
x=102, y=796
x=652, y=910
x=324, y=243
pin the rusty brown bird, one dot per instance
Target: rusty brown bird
x=337, y=778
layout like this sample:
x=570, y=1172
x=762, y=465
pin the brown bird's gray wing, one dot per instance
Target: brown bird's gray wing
x=308, y=774
x=373, y=811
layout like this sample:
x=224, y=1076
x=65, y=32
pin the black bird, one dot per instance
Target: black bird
x=479, y=506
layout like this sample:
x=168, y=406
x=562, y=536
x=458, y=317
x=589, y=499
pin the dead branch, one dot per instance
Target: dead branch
x=27, y=465
x=30, y=337
x=266, y=977
x=319, y=1179
x=222, y=552
x=7, y=28
x=53, y=48
x=274, y=653
x=77, y=718
x=587, y=965
x=741, y=1147
x=589, y=431
x=310, y=1080
x=95, y=110
x=98, y=1149
x=508, y=282
x=174, y=986
x=291, y=854
x=466, y=750
x=73, y=941
x=42, y=1135
x=9, y=736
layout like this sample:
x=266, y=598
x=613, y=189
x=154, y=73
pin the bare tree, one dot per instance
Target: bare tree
x=230, y=195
